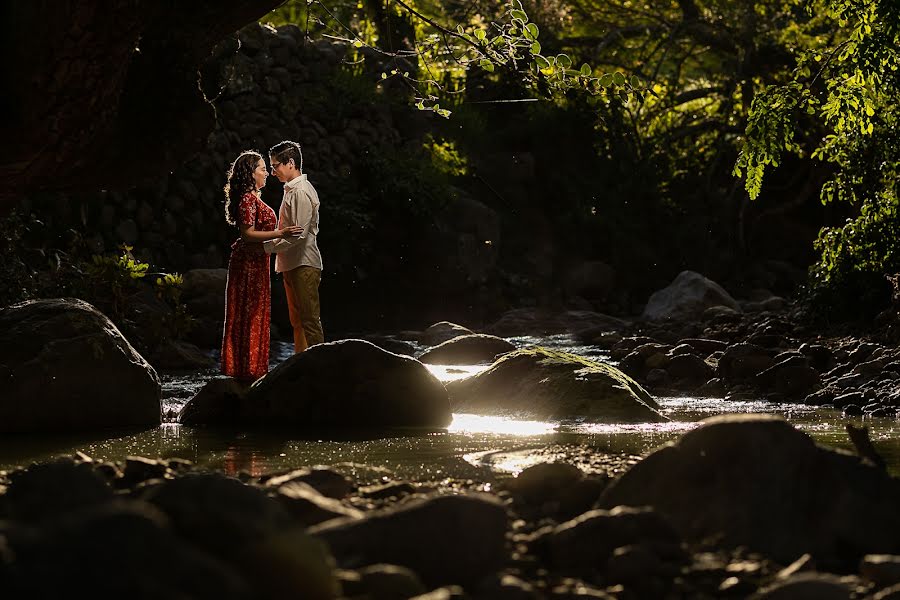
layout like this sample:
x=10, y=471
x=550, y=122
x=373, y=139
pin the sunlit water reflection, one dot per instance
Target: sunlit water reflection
x=474, y=446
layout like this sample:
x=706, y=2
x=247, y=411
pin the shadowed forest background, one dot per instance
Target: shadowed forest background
x=458, y=184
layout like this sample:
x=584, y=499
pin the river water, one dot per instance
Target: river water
x=480, y=448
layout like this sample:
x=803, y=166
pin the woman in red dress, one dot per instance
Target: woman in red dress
x=248, y=295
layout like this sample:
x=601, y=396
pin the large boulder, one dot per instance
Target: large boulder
x=344, y=384
x=686, y=298
x=64, y=366
x=756, y=481
x=541, y=383
x=467, y=350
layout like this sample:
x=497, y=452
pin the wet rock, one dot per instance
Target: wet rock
x=855, y=398
x=441, y=332
x=445, y=539
x=467, y=350
x=656, y=378
x=505, y=587
x=891, y=593
x=881, y=569
x=714, y=388
x=802, y=565
x=217, y=402
x=547, y=384
x=822, y=396
x=254, y=533
x=64, y=366
x=539, y=482
x=645, y=356
x=392, y=344
x=139, y=469
x=345, y=384
x=792, y=377
x=452, y=592
x=585, y=544
x=743, y=361
x=820, y=356
x=689, y=368
x=557, y=490
x=392, y=489
x=704, y=346
x=806, y=586
x=686, y=298
x=389, y=582
x=104, y=552
x=49, y=490
x=754, y=481
x=309, y=507
x=629, y=564
x=324, y=480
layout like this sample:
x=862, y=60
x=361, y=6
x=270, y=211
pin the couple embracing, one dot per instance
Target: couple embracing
x=292, y=238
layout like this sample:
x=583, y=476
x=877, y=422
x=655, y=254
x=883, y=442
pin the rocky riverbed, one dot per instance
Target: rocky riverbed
x=739, y=507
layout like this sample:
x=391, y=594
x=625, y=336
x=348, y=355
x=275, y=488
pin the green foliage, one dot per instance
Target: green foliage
x=445, y=157
x=449, y=41
x=847, y=88
x=850, y=280
x=771, y=130
x=116, y=276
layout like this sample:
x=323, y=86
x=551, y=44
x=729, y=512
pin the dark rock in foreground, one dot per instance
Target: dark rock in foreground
x=758, y=482
x=547, y=384
x=64, y=366
x=458, y=539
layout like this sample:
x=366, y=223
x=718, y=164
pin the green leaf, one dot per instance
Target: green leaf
x=357, y=44
x=536, y=48
x=585, y=70
x=480, y=34
x=384, y=75
x=542, y=62
x=519, y=14
x=486, y=65
x=606, y=80
x=619, y=78
x=635, y=81
x=563, y=61
x=532, y=31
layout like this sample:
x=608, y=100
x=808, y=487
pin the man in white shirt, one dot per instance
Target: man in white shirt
x=298, y=258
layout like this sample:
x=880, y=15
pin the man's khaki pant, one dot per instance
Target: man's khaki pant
x=302, y=288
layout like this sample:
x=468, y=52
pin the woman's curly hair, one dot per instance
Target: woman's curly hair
x=238, y=182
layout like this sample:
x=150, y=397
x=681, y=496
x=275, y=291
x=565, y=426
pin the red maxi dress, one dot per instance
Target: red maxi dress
x=248, y=298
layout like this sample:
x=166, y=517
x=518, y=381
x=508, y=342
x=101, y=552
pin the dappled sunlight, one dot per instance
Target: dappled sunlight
x=447, y=373
x=646, y=429
x=468, y=423
x=508, y=462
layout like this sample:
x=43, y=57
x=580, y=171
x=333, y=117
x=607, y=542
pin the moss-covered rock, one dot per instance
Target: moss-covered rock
x=538, y=382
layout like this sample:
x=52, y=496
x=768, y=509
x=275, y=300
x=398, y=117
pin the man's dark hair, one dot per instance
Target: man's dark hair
x=285, y=151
